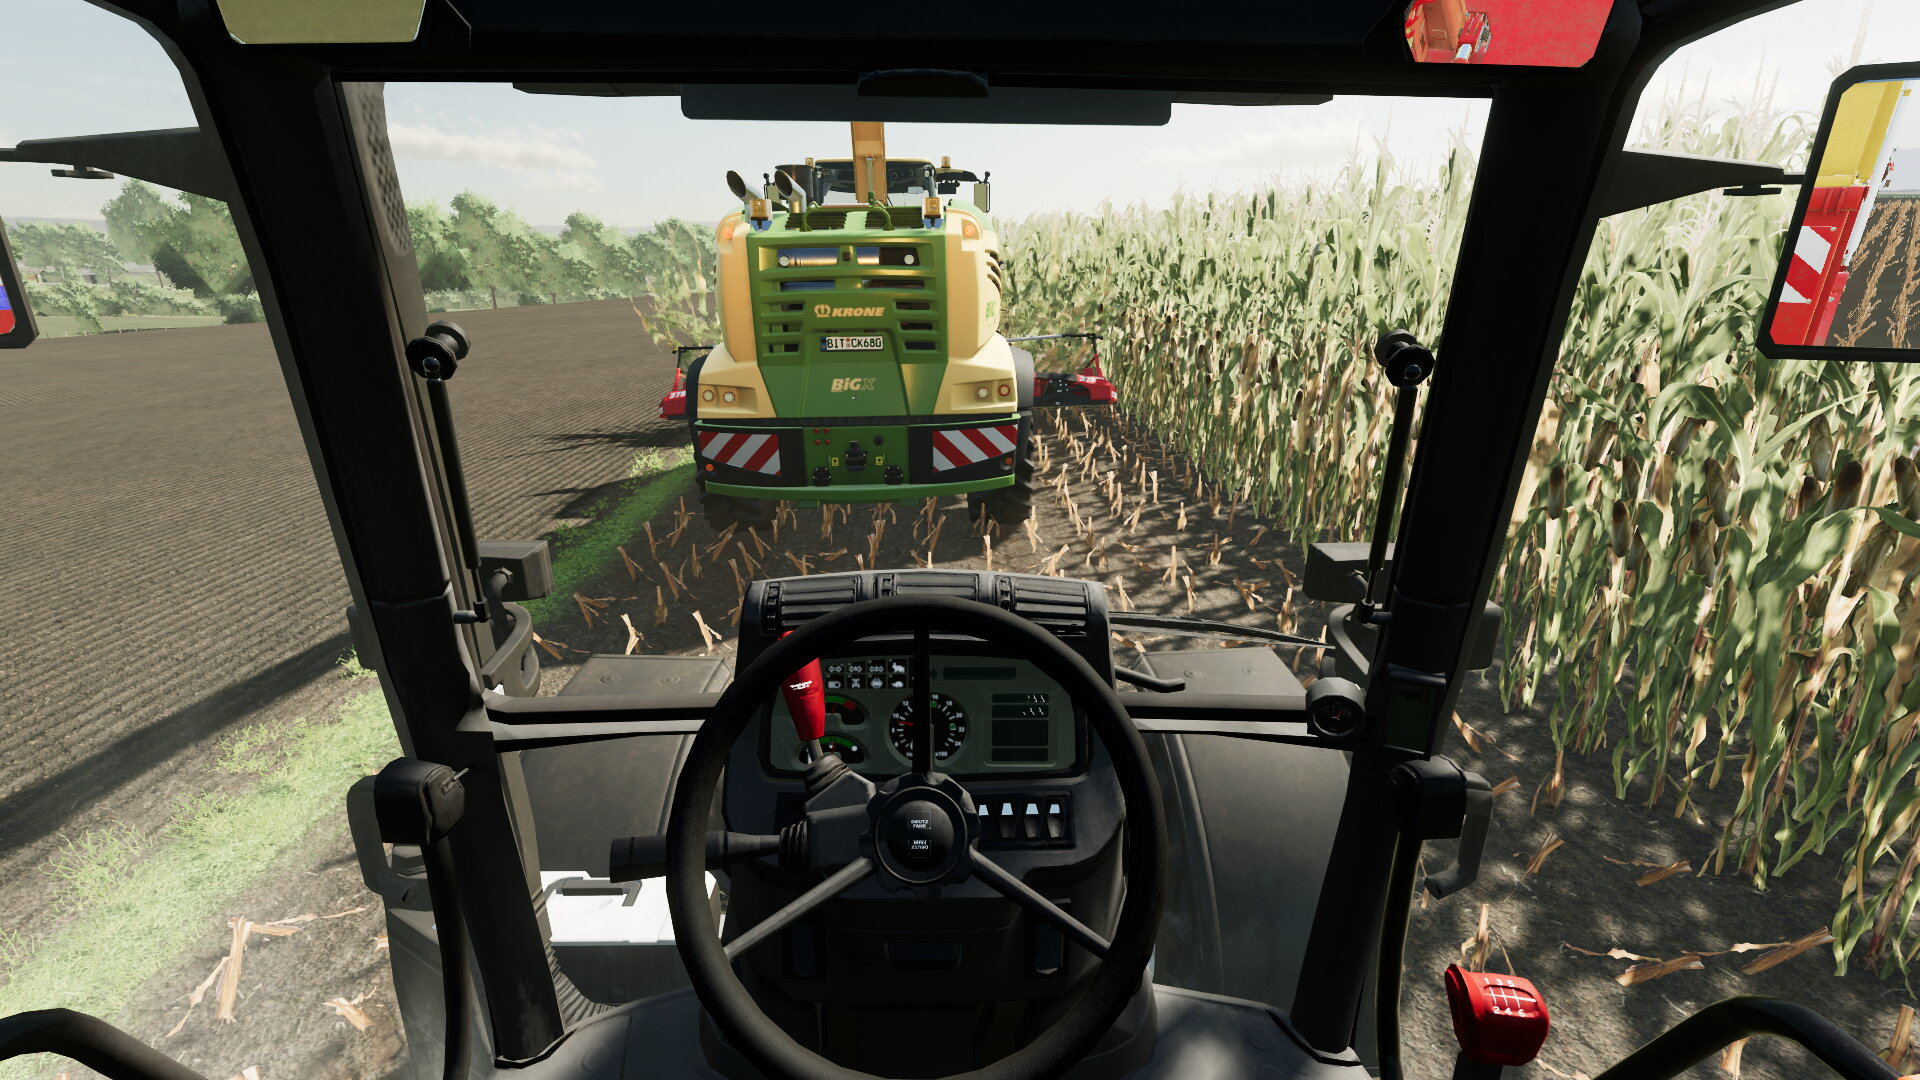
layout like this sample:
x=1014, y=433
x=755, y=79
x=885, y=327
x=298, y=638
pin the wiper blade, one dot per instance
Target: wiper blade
x=1187, y=626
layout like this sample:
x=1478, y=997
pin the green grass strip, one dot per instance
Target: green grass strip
x=654, y=480
x=134, y=902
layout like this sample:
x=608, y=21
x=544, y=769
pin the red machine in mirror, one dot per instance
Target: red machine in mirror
x=1515, y=33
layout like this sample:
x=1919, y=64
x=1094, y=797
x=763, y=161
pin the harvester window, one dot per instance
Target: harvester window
x=802, y=286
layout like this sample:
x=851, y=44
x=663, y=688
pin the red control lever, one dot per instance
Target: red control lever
x=1499, y=1019
x=806, y=700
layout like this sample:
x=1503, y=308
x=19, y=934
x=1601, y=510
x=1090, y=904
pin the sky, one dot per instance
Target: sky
x=68, y=68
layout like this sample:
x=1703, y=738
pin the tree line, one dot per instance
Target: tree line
x=471, y=253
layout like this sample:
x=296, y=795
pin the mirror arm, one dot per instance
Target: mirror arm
x=181, y=158
x=1638, y=178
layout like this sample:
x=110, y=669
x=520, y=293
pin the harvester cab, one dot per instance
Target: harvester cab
x=958, y=820
x=861, y=357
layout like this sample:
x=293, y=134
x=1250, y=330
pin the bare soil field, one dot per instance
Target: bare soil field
x=169, y=572
x=1882, y=296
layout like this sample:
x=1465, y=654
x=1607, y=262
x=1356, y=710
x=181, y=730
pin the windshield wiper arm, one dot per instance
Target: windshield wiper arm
x=1187, y=626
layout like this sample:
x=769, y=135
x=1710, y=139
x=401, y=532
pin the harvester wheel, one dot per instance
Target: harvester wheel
x=1008, y=506
x=725, y=510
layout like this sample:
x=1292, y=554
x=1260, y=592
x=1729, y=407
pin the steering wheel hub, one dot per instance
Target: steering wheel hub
x=921, y=833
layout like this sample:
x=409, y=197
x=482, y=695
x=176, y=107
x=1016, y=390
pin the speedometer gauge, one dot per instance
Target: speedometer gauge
x=951, y=728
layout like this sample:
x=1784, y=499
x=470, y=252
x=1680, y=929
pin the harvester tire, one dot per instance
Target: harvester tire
x=724, y=510
x=1008, y=506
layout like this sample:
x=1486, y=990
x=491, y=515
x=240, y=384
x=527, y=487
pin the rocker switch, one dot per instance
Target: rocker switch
x=1056, y=822
x=1009, y=824
x=1031, y=823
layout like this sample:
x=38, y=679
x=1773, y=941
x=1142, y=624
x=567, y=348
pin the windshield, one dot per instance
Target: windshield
x=1161, y=375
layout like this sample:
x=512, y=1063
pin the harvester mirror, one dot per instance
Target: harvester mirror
x=784, y=183
x=737, y=186
x=1844, y=285
x=983, y=197
x=17, y=330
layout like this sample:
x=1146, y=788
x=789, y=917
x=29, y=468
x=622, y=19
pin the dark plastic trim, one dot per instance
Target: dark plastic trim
x=90, y=1041
x=1706, y=1032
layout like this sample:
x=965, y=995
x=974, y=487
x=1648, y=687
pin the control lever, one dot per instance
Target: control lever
x=1149, y=682
x=806, y=698
x=635, y=857
x=1499, y=1020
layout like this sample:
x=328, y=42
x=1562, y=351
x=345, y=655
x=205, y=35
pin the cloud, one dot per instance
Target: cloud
x=1318, y=143
x=567, y=181
x=537, y=152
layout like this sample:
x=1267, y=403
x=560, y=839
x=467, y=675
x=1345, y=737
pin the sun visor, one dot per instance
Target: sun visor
x=322, y=22
x=998, y=105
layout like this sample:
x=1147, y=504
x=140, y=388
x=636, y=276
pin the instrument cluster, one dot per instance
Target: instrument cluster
x=989, y=715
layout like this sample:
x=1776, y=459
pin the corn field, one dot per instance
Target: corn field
x=1712, y=568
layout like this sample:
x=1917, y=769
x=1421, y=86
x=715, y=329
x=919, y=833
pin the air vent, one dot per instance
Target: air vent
x=928, y=583
x=1060, y=605
x=913, y=305
x=792, y=601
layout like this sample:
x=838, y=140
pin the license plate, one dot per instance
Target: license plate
x=865, y=343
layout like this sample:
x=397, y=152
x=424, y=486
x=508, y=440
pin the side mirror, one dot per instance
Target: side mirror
x=17, y=330
x=1845, y=283
x=983, y=197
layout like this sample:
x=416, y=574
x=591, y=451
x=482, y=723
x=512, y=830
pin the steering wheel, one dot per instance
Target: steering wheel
x=917, y=831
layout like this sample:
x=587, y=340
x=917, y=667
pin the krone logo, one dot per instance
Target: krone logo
x=842, y=385
x=827, y=311
x=821, y=311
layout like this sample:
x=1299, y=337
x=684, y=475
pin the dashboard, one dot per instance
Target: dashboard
x=992, y=715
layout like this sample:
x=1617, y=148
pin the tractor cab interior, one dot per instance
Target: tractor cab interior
x=931, y=822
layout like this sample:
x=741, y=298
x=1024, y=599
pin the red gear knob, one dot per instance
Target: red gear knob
x=1499, y=1019
x=806, y=700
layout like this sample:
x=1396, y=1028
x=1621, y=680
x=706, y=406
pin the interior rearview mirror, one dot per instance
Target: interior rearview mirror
x=1847, y=285
x=17, y=330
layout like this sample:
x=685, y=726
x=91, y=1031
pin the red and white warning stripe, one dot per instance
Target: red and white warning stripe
x=966, y=446
x=1811, y=249
x=754, y=452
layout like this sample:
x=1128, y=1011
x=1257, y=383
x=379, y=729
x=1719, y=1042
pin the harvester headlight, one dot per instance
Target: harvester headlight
x=1006, y=389
x=908, y=258
x=732, y=396
x=981, y=393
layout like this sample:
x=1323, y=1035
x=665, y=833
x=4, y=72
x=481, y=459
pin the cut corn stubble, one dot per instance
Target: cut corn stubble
x=230, y=979
x=1779, y=956
x=351, y=1012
